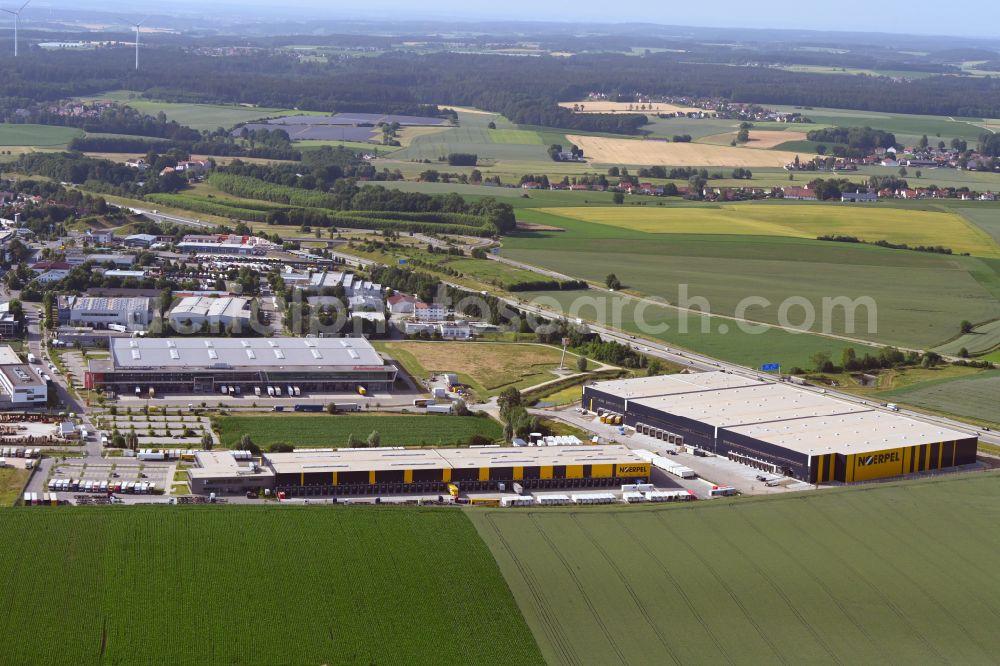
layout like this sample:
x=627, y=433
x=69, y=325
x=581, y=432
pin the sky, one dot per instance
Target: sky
x=979, y=18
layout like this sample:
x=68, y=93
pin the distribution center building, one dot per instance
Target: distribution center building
x=781, y=428
x=396, y=470
x=202, y=365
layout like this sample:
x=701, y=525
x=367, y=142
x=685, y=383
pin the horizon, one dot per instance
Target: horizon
x=889, y=18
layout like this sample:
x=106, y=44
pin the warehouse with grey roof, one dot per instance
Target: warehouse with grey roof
x=150, y=366
x=781, y=428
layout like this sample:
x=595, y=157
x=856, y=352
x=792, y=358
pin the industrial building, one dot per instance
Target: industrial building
x=192, y=312
x=397, y=470
x=225, y=244
x=780, y=428
x=150, y=366
x=134, y=314
x=23, y=384
x=10, y=326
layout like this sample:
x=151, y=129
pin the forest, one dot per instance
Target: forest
x=525, y=90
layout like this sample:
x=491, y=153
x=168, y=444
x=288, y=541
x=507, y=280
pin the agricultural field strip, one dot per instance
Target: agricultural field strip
x=789, y=579
x=353, y=614
x=614, y=151
x=656, y=302
x=802, y=221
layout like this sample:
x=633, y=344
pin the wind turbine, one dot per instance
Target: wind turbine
x=136, y=26
x=17, y=19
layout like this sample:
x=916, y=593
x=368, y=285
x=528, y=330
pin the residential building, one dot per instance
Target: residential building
x=401, y=304
x=429, y=311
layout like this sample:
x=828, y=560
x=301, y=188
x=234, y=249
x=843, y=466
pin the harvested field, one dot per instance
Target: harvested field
x=623, y=107
x=763, y=139
x=602, y=150
x=487, y=367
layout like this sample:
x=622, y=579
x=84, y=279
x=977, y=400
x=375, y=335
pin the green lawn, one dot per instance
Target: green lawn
x=16, y=134
x=305, y=431
x=12, y=482
x=223, y=585
x=886, y=573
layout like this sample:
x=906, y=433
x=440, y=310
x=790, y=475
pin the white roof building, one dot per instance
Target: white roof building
x=193, y=311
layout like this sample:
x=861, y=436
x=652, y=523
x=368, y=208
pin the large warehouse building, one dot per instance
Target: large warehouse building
x=204, y=365
x=395, y=470
x=781, y=428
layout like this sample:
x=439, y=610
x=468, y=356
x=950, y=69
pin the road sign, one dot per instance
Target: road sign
x=769, y=367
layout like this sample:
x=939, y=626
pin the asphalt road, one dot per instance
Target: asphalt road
x=655, y=348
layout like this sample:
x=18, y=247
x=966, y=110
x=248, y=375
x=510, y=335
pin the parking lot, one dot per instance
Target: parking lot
x=115, y=472
x=710, y=469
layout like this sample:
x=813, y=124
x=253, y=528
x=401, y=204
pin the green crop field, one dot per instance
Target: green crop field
x=975, y=398
x=473, y=135
x=725, y=269
x=718, y=338
x=982, y=339
x=908, y=128
x=17, y=134
x=324, y=430
x=201, y=586
x=889, y=573
x=197, y=116
x=667, y=128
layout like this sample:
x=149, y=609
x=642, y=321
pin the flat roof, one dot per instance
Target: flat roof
x=108, y=303
x=227, y=353
x=359, y=460
x=21, y=376
x=215, y=464
x=749, y=404
x=8, y=356
x=856, y=432
x=642, y=387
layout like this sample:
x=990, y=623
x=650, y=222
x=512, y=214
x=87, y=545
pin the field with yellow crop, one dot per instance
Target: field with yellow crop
x=651, y=108
x=604, y=150
x=913, y=227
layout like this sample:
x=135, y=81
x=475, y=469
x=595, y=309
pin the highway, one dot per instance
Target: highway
x=701, y=362
x=653, y=348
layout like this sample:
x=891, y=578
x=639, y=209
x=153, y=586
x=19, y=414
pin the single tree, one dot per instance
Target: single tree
x=581, y=364
x=375, y=439
x=612, y=282
x=966, y=326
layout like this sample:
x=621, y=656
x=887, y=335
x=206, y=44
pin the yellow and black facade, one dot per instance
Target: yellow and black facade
x=782, y=429
x=885, y=463
x=388, y=471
